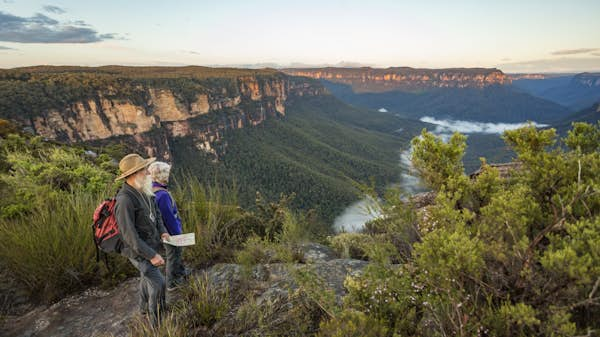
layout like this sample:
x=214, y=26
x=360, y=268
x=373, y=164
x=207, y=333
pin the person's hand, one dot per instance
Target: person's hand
x=165, y=236
x=157, y=260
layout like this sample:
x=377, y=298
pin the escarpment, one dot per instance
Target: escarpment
x=148, y=106
x=368, y=79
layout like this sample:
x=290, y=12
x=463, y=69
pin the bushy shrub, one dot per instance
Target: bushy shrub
x=222, y=227
x=284, y=247
x=495, y=256
x=51, y=250
x=170, y=327
x=437, y=161
x=352, y=323
x=260, y=251
x=212, y=213
x=37, y=169
x=205, y=301
x=388, y=294
x=352, y=245
x=291, y=316
x=201, y=304
x=49, y=194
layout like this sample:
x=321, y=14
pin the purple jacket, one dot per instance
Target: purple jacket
x=168, y=209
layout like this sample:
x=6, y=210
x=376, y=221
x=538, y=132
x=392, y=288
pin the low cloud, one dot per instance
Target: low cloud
x=574, y=51
x=449, y=126
x=356, y=215
x=54, y=9
x=43, y=29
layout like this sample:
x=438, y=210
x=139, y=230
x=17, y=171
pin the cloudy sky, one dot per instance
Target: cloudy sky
x=515, y=36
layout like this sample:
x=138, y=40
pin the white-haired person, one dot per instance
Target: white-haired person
x=176, y=271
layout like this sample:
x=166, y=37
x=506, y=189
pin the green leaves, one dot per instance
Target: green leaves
x=584, y=137
x=529, y=140
x=437, y=161
x=38, y=169
x=576, y=255
x=447, y=254
x=513, y=256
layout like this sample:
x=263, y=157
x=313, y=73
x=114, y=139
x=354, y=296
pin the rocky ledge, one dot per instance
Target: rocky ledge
x=268, y=284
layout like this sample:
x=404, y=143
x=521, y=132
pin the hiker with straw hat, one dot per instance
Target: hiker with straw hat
x=142, y=229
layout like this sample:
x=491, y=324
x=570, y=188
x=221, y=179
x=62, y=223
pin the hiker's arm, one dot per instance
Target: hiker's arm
x=160, y=224
x=125, y=215
x=165, y=204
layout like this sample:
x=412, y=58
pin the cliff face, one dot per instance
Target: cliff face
x=587, y=80
x=515, y=77
x=150, y=124
x=406, y=79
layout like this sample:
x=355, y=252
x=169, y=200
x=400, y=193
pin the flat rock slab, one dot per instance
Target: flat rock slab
x=97, y=312
x=314, y=253
x=94, y=312
x=277, y=278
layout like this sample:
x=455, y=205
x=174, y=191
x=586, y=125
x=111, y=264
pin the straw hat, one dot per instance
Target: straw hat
x=132, y=163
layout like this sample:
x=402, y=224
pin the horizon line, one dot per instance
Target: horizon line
x=304, y=66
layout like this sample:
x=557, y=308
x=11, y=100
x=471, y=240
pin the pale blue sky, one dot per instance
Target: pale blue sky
x=529, y=36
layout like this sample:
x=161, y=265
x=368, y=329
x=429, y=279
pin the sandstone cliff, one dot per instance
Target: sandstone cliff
x=406, y=79
x=200, y=104
x=515, y=77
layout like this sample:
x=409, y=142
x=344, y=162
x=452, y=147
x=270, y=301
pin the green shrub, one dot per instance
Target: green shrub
x=281, y=246
x=291, y=316
x=437, y=161
x=260, y=251
x=50, y=192
x=352, y=245
x=201, y=304
x=515, y=256
x=6, y=128
x=206, y=302
x=353, y=323
x=37, y=169
x=212, y=213
x=51, y=250
x=170, y=326
x=387, y=293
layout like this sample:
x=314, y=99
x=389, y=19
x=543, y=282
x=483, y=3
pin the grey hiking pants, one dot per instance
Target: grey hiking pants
x=152, y=289
x=175, y=268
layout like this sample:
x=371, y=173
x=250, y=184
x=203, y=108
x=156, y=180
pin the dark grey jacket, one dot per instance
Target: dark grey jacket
x=140, y=234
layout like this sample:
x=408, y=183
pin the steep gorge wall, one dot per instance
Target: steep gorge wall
x=148, y=126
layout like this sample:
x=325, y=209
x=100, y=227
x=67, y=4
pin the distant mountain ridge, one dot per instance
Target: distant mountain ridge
x=373, y=80
x=588, y=115
x=489, y=104
x=575, y=92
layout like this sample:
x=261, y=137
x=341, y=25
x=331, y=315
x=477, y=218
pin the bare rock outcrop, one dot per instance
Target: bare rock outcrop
x=368, y=79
